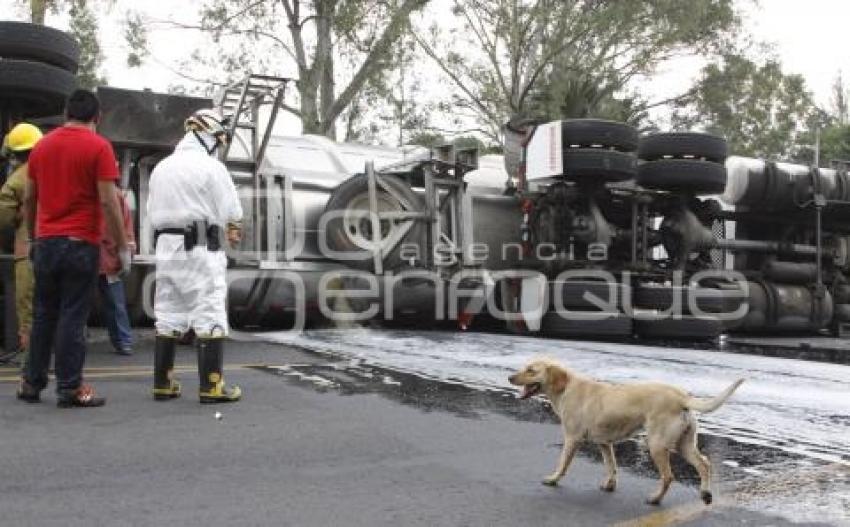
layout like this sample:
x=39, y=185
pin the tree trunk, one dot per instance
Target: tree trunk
x=310, y=122
x=38, y=11
x=325, y=61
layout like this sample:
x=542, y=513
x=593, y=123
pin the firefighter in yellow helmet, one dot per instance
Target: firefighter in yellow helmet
x=18, y=143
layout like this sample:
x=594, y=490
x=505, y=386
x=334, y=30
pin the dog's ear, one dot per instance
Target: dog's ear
x=558, y=378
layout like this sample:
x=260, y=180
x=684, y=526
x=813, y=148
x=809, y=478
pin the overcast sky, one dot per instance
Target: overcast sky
x=809, y=37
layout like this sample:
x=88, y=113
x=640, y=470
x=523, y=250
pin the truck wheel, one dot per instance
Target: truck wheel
x=842, y=312
x=599, y=133
x=683, y=145
x=350, y=230
x=841, y=294
x=599, y=164
x=614, y=325
x=20, y=40
x=709, y=300
x=683, y=175
x=690, y=328
x=36, y=89
x=573, y=293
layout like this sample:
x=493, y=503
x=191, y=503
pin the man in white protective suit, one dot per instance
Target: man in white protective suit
x=192, y=205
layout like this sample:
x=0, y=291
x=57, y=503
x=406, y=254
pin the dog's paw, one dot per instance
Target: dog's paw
x=551, y=481
x=609, y=485
x=653, y=500
x=706, y=497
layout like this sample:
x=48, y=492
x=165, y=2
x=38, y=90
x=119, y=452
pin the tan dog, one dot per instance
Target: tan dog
x=603, y=413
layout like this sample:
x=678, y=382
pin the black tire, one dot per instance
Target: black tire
x=687, y=328
x=709, y=300
x=614, y=325
x=598, y=132
x=598, y=164
x=338, y=238
x=842, y=312
x=841, y=294
x=683, y=175
x=35, y=89
x=683, y=145
x=19, y=40
x=573, y=292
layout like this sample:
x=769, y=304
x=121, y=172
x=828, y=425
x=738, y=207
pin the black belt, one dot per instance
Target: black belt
x=209, y=235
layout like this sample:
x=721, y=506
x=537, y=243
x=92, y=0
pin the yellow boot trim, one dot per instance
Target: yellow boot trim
x=172, y=392
x=220, y=393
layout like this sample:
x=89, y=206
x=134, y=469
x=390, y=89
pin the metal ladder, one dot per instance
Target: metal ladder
x=241, y=104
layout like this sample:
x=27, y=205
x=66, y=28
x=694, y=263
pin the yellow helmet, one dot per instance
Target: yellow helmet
x=23, y=137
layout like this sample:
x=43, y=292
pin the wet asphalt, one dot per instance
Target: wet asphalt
x=320, y=439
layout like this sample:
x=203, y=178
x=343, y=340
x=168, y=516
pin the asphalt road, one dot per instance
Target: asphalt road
x=319, y=440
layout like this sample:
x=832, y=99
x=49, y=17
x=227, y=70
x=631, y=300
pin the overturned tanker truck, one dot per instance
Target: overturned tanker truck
x=582, y=228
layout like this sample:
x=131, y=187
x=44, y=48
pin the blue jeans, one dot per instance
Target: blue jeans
x=65, y=276
x=115, y=316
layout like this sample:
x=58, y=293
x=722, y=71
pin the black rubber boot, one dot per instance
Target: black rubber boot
x=164, y=386
x=210, y=371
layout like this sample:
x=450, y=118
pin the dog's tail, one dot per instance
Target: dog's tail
x=709, y=405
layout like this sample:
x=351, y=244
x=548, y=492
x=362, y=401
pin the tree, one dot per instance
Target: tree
x=840, y=110
x=566, y=94
x=527, y=47
x=84, y=26
x=829, y=129
x=759, y=109
x=251, y=35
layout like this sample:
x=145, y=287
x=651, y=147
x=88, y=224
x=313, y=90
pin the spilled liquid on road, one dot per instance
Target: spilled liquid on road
x=790, y=417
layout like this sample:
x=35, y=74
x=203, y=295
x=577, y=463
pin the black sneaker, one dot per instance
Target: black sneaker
x=26, y=392
x=82, y=397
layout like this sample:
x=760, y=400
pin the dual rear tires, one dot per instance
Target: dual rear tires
x=691, y=163
x=596, y=150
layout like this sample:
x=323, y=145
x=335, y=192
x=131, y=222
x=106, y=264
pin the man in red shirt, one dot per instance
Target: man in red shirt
x=72, y=174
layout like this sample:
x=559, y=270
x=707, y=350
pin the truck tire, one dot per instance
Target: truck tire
x=352, y=233
x=599, y=133
x=614, y=325
x=35, y=89
x=683, y=145
x=598, y=164
x=20, y=40
x=842, y=312
x=573, y=291
x=689, y=328
x=710, y=300
x=683, y=175
x=841, y=294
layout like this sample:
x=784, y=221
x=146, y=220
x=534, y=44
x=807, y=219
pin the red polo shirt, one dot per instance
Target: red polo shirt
x=66, y=166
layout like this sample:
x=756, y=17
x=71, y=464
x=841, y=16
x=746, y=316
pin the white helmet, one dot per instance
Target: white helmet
x=208, y=121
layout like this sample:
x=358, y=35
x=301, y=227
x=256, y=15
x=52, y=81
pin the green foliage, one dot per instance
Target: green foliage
x=567, y=57
x=84, y=27
x=332, y=43
x=564, y=94
x=758, y=108
x=835, y=143
x=136, y=36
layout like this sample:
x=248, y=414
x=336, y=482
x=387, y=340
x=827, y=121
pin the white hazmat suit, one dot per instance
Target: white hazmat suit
x=186, y=187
